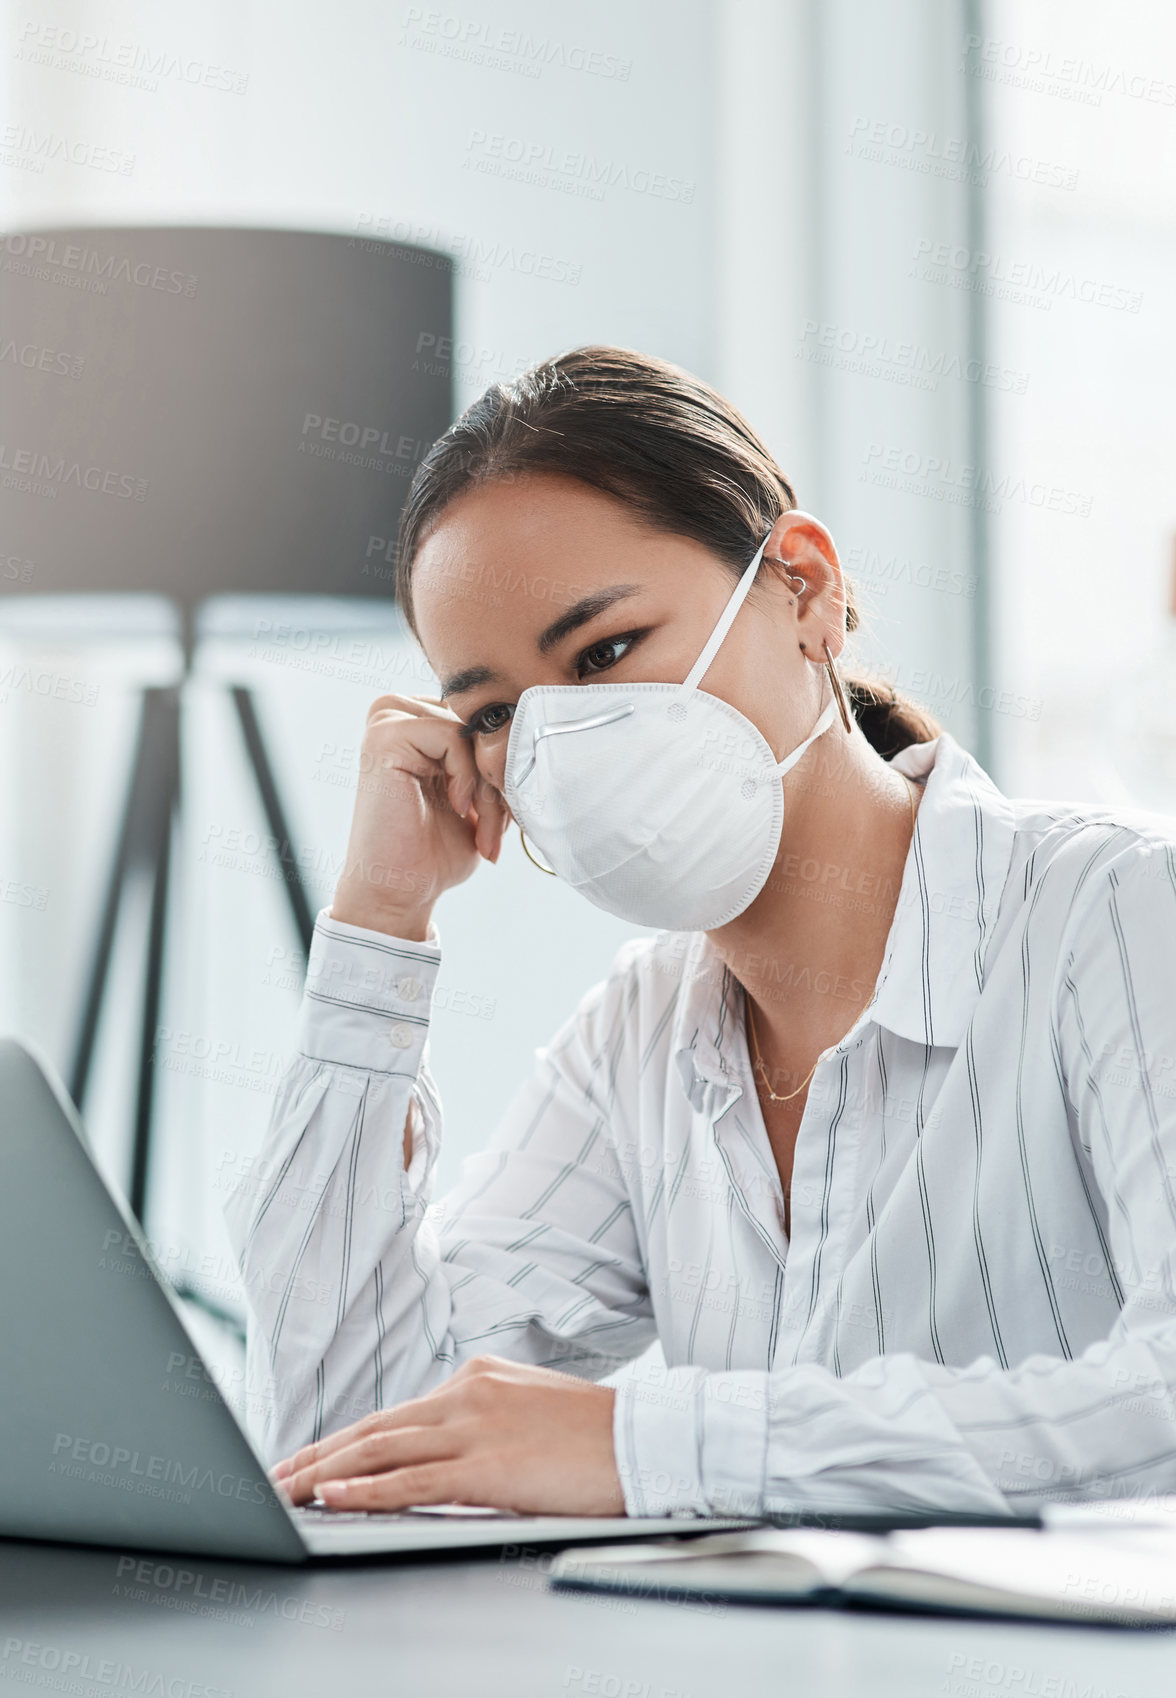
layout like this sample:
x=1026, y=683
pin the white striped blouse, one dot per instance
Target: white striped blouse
x=977, y=1307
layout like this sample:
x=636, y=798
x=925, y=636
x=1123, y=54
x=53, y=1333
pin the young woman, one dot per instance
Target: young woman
x=876, y=1136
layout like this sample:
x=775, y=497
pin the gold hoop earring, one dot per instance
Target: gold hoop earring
x=838, y=692
x=531, y=858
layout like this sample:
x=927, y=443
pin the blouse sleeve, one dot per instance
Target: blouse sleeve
x=359, y=1292
x=904, y=1431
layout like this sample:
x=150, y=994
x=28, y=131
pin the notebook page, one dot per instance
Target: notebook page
x=1158, y=1510
x=1092, y=1576
x=767, y=1559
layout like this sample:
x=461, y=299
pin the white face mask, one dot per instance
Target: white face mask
x=659, y=803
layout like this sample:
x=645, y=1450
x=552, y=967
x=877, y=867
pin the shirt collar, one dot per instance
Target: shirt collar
x=952, y=884
x=706, y=1016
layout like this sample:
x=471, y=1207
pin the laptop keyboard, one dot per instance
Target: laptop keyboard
x=320, y=1512
x=443, y=1511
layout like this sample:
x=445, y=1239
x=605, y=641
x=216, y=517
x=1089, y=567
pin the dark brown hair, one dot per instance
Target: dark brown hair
x=677, y=454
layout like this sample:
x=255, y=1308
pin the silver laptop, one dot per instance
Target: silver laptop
x=103, y=1442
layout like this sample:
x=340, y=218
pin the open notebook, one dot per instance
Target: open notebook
x=1120, y=1575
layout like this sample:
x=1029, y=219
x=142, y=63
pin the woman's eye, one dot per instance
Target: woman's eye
x=604, y=654
x=490, y=719
x=598, y=658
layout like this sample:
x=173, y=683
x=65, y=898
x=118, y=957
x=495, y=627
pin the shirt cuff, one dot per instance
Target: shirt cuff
x=656, y=1441
x=689, y=1442
x=367, y=997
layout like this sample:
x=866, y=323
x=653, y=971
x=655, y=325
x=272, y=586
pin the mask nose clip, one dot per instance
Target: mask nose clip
x=608, y=717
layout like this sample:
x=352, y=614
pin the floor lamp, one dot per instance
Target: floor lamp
x=231, y=411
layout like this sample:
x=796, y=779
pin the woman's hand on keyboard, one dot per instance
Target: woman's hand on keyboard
x=498, y=1433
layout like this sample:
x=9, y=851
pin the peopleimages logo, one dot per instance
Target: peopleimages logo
x=471, y=256
x=368, y=445
x=190, y=1584
x=1027, y=282
x=500, y=48
x=62, y=1667
x=1044, y=71
x=545, y=166
x=33, y=357
x=51, y=473
x=20, y=145
x=72, y=1455
x=953, y=157
x=41, y=253
x=875, y=354
x=943, y=479
x=45, y=682
x=128, y=63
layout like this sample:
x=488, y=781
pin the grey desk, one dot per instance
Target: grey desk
x=93, y=1623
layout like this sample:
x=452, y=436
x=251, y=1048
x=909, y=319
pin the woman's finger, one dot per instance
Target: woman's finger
x=426, y=1411
x=465, y=786
x=428, y=748
x=492, y=816
x=431, y=1482
x=375, y=1453
x=424, y=707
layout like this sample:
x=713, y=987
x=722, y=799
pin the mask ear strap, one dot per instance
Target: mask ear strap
x=823, y=723
x=726, y=618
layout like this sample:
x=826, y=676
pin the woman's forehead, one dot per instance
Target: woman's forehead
x=540, y=514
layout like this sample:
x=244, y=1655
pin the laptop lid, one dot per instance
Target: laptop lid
x=101, y=1444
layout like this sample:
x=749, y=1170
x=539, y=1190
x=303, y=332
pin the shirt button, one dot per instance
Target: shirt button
x=409, y=989
x=399, y=1036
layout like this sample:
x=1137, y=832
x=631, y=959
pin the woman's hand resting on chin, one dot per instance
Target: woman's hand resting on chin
x=497, y=1433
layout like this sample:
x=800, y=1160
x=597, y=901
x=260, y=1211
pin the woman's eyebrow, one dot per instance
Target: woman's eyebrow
x=588, y=606
x=581, y=612
x=469, y=679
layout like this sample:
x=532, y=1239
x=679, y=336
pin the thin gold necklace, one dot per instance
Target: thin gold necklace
x=759, y=1066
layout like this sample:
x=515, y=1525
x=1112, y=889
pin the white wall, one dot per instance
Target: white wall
x=1084, y=304
x=839, y=125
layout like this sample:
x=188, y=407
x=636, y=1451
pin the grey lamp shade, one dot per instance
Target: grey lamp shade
x=193, y=411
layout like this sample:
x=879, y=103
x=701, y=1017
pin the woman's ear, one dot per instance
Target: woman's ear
x=803, y=540
x=799, y=546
